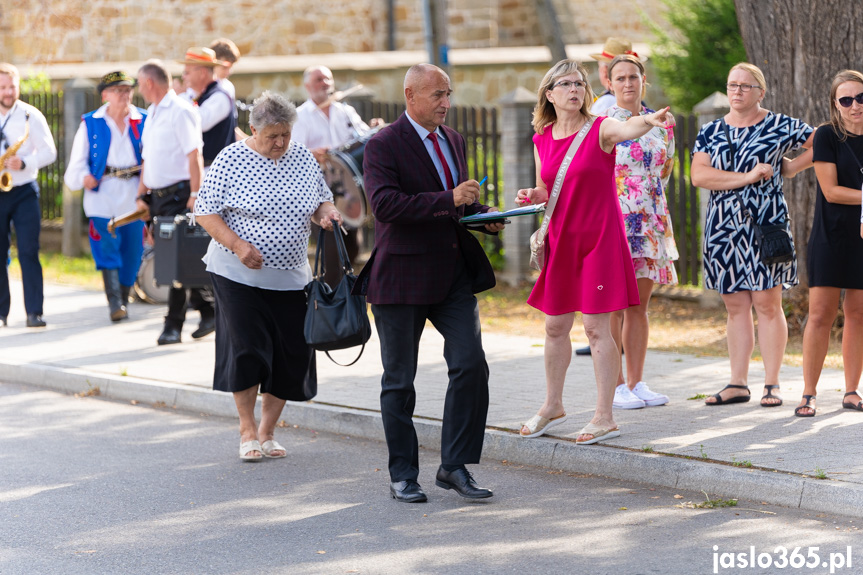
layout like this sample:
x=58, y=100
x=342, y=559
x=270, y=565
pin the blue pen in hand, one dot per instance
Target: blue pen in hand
x=476, y=201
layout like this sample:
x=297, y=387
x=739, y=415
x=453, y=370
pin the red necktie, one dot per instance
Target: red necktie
x=449, y=183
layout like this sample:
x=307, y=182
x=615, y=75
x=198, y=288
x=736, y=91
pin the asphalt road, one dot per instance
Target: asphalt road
x=89, y=486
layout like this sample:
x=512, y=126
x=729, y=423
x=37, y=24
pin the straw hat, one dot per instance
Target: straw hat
x=118, y=78
x=615, y=47
x=198, y=56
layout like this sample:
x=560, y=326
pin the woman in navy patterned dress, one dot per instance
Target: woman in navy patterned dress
x=257, y=202
x=732, y=259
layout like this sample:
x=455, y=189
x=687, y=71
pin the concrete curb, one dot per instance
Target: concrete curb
x=718, y=480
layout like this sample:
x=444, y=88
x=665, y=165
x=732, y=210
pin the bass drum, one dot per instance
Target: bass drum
x=343, y=172
x=146, y=289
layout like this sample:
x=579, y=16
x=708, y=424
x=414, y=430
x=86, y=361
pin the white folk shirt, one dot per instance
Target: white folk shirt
x=314, y=129
x=214, y=109
x=116, y=196
x=228, y=87
x=603, y=103
x=37, y=151
x=172, y=132
x=268, y=204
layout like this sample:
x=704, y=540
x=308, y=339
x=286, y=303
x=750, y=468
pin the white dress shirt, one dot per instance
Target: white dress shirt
x=173, y=131
x=314, y=129
x=37, y=151
x=116, y=196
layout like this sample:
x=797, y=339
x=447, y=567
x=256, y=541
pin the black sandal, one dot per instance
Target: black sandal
x=808, y=405
x=770, y=389
x=855, y=406
x=735, y=399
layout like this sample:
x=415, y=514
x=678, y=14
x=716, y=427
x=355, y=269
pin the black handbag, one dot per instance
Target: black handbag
x=775, y=243
x=335, y=319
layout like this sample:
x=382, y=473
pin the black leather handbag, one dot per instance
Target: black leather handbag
x=775, y=243
x=335, y=319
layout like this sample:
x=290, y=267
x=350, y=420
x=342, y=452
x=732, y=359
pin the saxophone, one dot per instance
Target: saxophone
x=5, y=176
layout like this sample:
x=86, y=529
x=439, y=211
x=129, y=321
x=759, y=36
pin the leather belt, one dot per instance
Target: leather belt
x=121, y=173
x=170, y=190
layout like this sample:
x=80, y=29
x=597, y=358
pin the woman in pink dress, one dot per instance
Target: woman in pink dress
x=588, y=266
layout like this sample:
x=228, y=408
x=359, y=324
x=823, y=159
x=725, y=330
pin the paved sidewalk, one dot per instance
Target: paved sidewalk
x=683, y=444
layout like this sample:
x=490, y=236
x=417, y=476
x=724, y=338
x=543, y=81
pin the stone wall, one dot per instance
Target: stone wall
x=596, y=20
x=39, y=32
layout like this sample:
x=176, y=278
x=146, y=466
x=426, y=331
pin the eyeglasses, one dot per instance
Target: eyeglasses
x=568, y=84
x=742, y=87
x=846, y=101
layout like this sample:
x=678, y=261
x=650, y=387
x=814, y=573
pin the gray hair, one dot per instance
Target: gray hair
x=308, y=72
x=417, y=73
x=156, y=71
x=270, y=109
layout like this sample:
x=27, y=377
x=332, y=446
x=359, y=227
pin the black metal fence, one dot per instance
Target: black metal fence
x=482, y=132
x=683, y=204
x=50, y=177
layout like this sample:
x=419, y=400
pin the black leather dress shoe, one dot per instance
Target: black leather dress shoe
x=169, y=335
x=408, y=491
x=462, y=481
x=206, y=327
x=35, y=320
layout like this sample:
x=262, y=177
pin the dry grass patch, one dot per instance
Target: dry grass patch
x=675, y=326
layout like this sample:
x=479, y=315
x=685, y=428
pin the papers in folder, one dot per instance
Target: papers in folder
x=491, y=217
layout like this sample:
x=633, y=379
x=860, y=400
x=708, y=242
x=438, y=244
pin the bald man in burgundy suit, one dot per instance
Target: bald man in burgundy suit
x=427, y=266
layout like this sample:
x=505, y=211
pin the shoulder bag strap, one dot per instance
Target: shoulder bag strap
x=853, y=155
x=733, y=152
x=558, y=181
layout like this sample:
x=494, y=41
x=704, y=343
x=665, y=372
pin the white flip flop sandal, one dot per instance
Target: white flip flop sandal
x=271, y=445
x=538, y=425
x=598, y=433
x=249, y=446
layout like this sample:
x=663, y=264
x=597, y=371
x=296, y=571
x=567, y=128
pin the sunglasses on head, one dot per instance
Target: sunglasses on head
x=846, y=101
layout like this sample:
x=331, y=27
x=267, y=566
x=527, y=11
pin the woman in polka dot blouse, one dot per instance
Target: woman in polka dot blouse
x=257, y=202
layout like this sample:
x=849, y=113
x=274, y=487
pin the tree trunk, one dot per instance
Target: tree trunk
x=800, y=45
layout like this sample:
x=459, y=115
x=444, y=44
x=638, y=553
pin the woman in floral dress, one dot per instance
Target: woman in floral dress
x=641, y=172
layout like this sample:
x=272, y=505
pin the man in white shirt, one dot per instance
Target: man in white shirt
x=170, y=179
x=19, y=205
x=229, y=54
x=215, y=106
x=106, y=149
x=323, y=123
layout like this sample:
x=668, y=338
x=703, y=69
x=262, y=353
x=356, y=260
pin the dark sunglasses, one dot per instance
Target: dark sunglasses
x=846, y=101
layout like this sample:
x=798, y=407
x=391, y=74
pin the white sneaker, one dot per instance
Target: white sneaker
x=625, y=399
x=641, y=391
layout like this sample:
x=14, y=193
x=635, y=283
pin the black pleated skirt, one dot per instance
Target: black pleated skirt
x=259, y=341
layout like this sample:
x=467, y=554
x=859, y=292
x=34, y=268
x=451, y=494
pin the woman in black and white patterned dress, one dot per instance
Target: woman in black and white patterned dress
x=732, y=259
x=257, y=202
